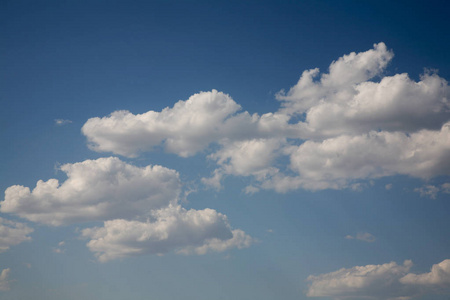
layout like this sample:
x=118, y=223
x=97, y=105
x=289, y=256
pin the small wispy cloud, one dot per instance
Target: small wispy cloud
x=61, y=122
x=432, y=191
x=362, y=236
x=4, y=280
x=60, y=249
x=250, y=190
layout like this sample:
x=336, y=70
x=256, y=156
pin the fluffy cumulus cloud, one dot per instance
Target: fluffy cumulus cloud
x=344, y=161
x=438, y=277
x=386, y=281
x=247, y=157
x=344, y=73
x=171, y=228
x=361, y=282
x=95, y=190
x=4, y=281
x=138, y=205
x=186, y=128
x=339, y=162
x=336, y=129
x=346, y=101
x=13, y=233
x=334, y=162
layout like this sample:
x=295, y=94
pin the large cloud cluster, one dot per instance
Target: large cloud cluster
x=386, y=281
x=355, y=124
x=138, y=205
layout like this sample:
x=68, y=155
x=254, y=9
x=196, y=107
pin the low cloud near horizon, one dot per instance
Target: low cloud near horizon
x=382, y=282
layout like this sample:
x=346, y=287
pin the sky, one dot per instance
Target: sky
x=224, y=150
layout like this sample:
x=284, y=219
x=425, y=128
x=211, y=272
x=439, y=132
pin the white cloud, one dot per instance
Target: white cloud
x=396, y=103
x=360, y=129
x=12, y=233
x=446, y=188
x=250, y=189
x=428, y=191
x=95, y=190
x=344, y=161
x=169, y=229
x=344, y=101
x=247, y=157
x=344, y=73
x=362, y=236
x=361, y=282
x=188, y=127
x=214, y=181
x=386, y=281
x=4, y=282
x=239, y=240
x=185, y=129
x=438, y=277
x=335, y=162
x=60, y=249
x=433, y=191
x=61, y=122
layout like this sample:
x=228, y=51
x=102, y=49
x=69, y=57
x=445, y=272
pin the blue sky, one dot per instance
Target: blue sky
x=224, y=150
